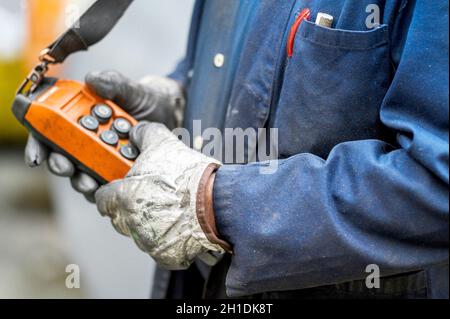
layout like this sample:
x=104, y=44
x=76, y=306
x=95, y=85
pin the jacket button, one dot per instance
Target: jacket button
x=198, y=143
x=219, y=60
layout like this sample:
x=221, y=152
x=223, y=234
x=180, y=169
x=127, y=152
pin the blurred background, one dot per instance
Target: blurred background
x=44, y=224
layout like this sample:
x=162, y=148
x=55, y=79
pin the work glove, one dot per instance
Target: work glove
x=160, y=202
x=153, y=98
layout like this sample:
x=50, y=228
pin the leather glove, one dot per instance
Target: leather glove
x=157, y=204
x=154, y=98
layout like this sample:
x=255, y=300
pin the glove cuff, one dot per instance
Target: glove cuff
x=205, y=208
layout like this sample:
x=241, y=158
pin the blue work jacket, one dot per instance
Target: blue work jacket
x=362, y=113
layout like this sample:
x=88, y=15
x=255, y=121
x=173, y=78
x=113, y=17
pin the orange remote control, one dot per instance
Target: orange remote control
x=68, y=117
x=71, y=120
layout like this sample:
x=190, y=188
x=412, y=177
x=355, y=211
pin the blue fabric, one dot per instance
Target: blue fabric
x=222, y=30
x=363, y=139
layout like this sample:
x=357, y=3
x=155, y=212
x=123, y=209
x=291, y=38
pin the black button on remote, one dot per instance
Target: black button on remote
x=129, y=152
x=110, y=138
x=90, y=123
x=122, y=127
x=102, y=112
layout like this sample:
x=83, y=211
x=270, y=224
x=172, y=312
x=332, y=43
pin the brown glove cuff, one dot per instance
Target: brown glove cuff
x=205, y=207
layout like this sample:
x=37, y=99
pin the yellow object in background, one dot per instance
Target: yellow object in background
x=45, y=24
x=43, y=21
x=11, y=73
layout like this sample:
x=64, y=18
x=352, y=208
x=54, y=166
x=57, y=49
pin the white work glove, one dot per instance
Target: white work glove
x=155, y=99
x=156, y=203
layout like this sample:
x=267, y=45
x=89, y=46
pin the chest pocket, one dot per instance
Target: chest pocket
x=332, y=89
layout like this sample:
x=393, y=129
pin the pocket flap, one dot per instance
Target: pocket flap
x=344, y=39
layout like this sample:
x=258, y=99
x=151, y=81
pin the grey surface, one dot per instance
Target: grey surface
x=12, y=6
x=33, y=253
x=149, y=40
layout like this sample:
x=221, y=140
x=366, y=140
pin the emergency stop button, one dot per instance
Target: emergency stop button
x=102, y=112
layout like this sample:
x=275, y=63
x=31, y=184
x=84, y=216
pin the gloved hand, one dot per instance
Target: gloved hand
x=159, y=202
x=154, y=98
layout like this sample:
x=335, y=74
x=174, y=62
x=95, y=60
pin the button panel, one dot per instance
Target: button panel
x=120, y=129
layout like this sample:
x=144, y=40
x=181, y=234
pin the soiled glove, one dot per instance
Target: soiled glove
x=154, y=98
x=156, y=203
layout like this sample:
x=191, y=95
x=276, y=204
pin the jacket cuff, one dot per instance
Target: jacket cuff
x=205, y=207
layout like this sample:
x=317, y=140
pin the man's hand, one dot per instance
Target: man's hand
x=154, y=99
x=156, y=204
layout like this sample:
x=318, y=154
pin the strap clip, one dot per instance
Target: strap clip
x=44, y=56
x=34, y=78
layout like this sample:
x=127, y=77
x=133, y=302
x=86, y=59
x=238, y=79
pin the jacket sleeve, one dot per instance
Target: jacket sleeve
x=316, y=222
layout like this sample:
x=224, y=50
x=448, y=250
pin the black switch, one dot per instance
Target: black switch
x=129, y=152
x=110, y=138
x=89, y=122
x=122, y=127
x=102, y=112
